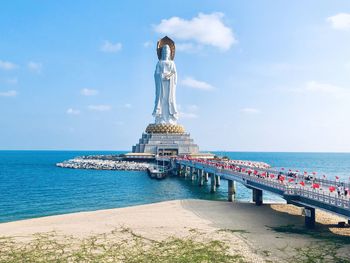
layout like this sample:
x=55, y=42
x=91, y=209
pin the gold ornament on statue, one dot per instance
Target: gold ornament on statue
x=166, y=41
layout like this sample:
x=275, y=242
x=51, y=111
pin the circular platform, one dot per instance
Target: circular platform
x=165, y=128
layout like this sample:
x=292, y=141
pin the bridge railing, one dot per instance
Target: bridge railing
x=321, y=197
x=298, y=175
x=265, y=181
x=324, y=182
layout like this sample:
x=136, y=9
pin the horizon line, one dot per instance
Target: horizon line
x=222, y=151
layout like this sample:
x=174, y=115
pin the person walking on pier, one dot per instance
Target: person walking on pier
x=338, y=190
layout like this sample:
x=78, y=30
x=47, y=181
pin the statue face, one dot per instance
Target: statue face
x=166, y=52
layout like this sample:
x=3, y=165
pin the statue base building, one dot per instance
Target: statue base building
x=166, y=140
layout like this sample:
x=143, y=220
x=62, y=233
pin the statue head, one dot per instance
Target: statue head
x=166, y=52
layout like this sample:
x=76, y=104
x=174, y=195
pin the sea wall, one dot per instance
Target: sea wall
x=98, y=164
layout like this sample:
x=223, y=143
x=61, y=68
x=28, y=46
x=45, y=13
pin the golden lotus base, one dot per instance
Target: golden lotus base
x=165, y=128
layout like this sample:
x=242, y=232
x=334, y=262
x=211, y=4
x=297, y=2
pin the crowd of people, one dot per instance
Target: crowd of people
x=289, y=178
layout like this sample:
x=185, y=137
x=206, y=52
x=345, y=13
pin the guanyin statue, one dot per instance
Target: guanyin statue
x=165, y=76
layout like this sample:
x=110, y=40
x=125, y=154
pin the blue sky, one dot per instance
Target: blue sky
x=253, y=75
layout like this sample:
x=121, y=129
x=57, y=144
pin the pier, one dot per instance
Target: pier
x=314, y=194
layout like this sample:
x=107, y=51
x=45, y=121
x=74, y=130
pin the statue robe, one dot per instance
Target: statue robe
x=165, y=103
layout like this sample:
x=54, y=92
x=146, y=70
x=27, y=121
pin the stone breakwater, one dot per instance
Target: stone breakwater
x=253, y=164
x=96, y=164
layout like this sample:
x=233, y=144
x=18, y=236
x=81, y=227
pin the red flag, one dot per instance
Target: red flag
x=305, y=172
x=314, y=173
x=337, y=177
x=290, y=180
x=272, y=175
x=302, y=183
x=282, y=178
x=315, y=186
x=331, y=189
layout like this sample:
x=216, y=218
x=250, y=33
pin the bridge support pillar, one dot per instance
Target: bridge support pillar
x=179, y=170
x=185, y=169
x=201, y=177
x=257, y=196
x=213, y=183
x=218, y=181
x=206, y=177
x=192, y=173
x=231, y=190
x=309, y=217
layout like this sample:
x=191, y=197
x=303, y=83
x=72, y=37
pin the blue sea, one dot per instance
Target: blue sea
x=32, y=186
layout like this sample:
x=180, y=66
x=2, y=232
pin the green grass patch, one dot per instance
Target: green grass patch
x=118, y=246
x=320, y=252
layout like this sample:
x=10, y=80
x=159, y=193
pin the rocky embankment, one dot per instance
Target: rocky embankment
x=253, y=164
x=103, y=164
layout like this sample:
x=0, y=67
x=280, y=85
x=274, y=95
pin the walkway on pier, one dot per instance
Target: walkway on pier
x=293, y=187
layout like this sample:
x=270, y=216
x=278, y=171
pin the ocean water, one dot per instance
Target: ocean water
x=32, y=186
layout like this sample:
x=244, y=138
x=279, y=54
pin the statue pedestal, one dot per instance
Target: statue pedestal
x=166, y=139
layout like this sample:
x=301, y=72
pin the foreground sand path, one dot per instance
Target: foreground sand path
x=250, y=226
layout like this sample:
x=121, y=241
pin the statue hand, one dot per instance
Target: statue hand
x=167, y=76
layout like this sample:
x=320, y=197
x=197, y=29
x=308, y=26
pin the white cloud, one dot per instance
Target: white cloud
x=205, y=29
x=196, y=84
x=127, y=105
x=101, y=107
x=9, y=93
x=110, y=47
x=6, y=65
x=89, y=92
x=192, y=107
x=148, y=44
x=327, y=89
x=250, y=110
x=324, y=89
x=72, y=111
x=188, y=111
x=340, y=21
x=188, y=47
x=35, y=66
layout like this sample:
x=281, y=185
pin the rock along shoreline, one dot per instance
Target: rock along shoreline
x=103, y=162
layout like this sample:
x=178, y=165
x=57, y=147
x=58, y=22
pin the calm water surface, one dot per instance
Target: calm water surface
x=32, y=186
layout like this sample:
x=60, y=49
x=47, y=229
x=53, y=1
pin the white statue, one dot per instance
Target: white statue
x=165, y=77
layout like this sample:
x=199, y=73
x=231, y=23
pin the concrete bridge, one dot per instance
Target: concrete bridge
x=260, y=179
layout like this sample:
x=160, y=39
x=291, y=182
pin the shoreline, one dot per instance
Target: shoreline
x=241, y=201
x=322, y=217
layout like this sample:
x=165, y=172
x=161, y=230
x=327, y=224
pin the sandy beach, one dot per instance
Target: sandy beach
x=249, y=230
